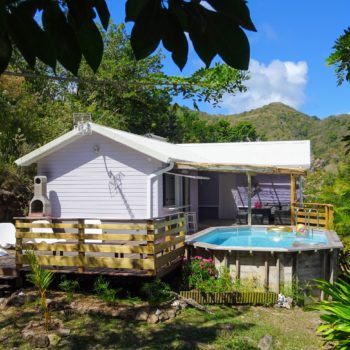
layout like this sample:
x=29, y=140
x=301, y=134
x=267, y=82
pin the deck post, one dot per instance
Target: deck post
x=266, y=279
x=278, y=277
x=19, y=249
x=150, y=244
x=324, y=270
x=249, y=179
x=81, y=254
x=332, y=267
x=293, y=198
x=238, y=267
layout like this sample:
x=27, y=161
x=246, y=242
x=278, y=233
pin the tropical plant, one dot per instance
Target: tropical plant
x=335, y=328
x=156, y=292
x=104, y=291
x=197, y=271
x=69, y=286
x=41, y=279
x=65, y=31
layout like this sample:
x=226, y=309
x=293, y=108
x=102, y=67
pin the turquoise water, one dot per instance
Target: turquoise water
x=260, y=237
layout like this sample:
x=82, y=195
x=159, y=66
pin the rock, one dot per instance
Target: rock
x=54, y=339
x=142, y=315
x=63, y=332
x=227, y=326
x=152, y=319
x=38, y=340
x=265, y=343
x=158, y=312
x=163, y=316
x=171, y=313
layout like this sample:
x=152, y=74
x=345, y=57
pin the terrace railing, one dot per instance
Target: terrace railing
x=150, y=247
x=313, y=214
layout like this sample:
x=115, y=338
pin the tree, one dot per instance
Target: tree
x=66, y=31
x=340, y=58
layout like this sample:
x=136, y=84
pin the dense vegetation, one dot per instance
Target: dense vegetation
x=280, y=122
x=132, y=95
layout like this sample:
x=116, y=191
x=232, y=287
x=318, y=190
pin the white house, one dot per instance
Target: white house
x=109, y=173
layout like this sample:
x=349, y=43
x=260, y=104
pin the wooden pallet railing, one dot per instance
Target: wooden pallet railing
x=313, y=214
x=140, y=245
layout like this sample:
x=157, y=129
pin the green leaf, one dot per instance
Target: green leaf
x=174, y=39
x=133, y=9
x=146, y=33
x=103, y=12
x=230, y=40
x=18, y=33
x=199, y=35
x=62, y=35
x=5, y=51
x=236, y=10
x=91, y=43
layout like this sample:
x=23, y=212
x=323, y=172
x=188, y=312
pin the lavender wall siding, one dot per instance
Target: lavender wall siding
x=272, y=189
x=110, y=184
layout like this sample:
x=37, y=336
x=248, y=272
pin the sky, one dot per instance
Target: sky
x=288, y=57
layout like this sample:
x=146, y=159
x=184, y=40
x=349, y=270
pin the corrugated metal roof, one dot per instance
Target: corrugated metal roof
x=293, y=154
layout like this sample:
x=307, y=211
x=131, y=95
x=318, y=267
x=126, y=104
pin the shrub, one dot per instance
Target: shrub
x=156, y=292
x=336, y=312
x=69, y=286
x=41, y=279
x=197, y=271
x=104, y=291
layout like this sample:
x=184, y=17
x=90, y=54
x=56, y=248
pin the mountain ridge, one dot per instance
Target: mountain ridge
x=277, y=121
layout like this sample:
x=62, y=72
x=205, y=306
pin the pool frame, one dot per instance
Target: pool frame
x=334, y=241
x=273, y=269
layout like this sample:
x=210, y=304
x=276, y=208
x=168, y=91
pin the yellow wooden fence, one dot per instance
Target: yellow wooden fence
x=313, y=214
x=152, y=247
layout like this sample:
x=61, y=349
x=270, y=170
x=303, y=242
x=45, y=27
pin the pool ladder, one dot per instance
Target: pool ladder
x=307, y=218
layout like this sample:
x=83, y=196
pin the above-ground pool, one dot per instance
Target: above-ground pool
x=272, y=258
x=258, y=238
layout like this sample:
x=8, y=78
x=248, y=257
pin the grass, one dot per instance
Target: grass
x=228, y=328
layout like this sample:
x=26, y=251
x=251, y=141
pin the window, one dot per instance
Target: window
x=168, y=190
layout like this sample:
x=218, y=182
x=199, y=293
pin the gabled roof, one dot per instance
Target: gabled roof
x=278, y=154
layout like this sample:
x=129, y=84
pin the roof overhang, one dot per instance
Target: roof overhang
x=239, y=168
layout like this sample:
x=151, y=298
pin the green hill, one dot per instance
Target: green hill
x=277, y=121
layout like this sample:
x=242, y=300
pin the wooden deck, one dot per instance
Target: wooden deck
x=120, y=248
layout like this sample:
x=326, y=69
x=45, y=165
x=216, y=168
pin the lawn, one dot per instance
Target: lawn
x=227, y=328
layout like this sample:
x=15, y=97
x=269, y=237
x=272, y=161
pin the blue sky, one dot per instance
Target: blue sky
x=288, y=57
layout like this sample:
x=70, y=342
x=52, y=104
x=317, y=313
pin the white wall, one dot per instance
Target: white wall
x=108, y=184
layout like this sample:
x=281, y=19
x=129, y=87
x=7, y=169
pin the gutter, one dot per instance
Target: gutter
x=150, y=187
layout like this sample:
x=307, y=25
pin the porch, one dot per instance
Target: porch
x=115, y=247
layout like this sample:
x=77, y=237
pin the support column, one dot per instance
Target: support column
x=249, y=179
x=293, y=197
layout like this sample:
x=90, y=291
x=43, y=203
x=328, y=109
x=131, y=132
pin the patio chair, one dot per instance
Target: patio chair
x=191, y=222
x=7, y=235
x=242, y=216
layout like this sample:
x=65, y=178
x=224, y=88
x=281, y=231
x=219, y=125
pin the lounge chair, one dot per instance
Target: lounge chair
x=7, y=235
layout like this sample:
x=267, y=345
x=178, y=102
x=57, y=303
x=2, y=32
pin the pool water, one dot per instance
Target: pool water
x=260, y=237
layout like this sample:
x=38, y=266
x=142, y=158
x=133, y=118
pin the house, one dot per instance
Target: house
x=95, y=171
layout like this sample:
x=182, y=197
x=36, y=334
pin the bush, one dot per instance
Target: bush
x=156, y=292
x=69, y=286
x=104, y=291
x=197, y=271
x=336, y=312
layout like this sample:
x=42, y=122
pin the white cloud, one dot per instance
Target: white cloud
x=279, y=81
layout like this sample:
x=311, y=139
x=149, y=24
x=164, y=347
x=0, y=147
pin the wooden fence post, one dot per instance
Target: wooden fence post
x=151, y=245
x=81, y=234
x=19, y=249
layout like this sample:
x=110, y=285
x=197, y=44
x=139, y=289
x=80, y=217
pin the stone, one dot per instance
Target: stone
x=39, y=341
x=163, y=316
x=227, y=326
x=54, y=339
x=152, y=319
x=142, y=315
x=171, y=313
x=63, y=332
x=265, y=342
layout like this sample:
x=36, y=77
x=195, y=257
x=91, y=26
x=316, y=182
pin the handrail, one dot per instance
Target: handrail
x=148, y=246
x=313, y=214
